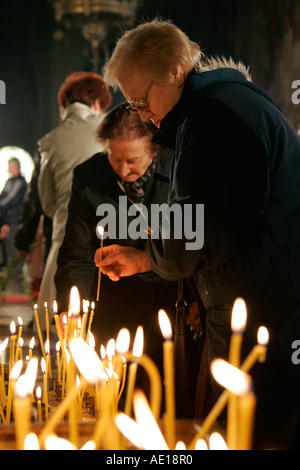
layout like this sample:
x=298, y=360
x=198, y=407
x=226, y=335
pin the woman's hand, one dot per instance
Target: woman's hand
x=121, y=261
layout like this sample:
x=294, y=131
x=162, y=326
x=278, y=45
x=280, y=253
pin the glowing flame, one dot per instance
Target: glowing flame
x=150, y=432
x=16, y=370
x=123, y=340
x=86, y=359
x=31, y=442
x=13, y=327
x=100, y=231
x=138, y=344
x=32, y=343
x=216, y=442
x=75, y=301
x=230, y=377
x=239, y=316
x=38, y=393
x=165, y=324
x=262, y=336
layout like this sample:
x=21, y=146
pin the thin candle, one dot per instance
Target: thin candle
x=137, y=351
x=13, y=376
x=13, y=338
x=20, y=322
x=240, y=384
x=168, y=350
x=39, y=330
x=49, y=370
x=58, y=361
x=39, y=403
x=100, y=232
x=45, y=384
x=238, y=324
x=31, y=346
x=21, y=412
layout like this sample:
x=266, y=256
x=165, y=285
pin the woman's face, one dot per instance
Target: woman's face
x=158, y=98
x=130, y=158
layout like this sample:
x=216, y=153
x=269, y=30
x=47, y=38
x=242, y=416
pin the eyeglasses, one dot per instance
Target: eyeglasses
x=140, y=103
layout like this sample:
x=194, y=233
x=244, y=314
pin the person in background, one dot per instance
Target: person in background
x=11, y=201
x=83, y=99
x=133, y=168
x=236, y=154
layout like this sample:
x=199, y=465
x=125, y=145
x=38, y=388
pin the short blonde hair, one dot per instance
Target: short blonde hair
x=152, y=49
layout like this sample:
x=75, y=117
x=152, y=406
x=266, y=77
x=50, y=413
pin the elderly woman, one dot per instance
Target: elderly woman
x=108, y=190
x=237, y=154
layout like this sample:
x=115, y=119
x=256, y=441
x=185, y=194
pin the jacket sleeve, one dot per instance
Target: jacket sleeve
x=75, y=263
x=221, y=164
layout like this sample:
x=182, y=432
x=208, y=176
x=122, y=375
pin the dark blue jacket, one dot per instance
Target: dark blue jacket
x=11, y=199
x=237, y=154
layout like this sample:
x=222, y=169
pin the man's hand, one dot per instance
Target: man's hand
x=121, y=261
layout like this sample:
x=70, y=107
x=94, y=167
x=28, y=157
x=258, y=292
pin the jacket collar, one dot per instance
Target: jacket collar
x=195, y=83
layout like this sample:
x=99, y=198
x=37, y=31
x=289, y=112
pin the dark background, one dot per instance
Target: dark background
x=264, y=34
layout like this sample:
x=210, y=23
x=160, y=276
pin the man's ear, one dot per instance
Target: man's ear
x=177, y=75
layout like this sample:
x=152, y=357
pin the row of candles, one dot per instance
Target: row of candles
x=81, y=370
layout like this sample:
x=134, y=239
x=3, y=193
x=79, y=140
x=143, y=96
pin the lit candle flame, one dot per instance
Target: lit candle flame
x=31, y=373
x=216, y=442
x=43, y=365
x=239, y=316
x=38, y=393
x=3, y=345
x=21, y=342
x=150, y=432
x=100, y=231
x=75, y=301
x=31, y=442
x=57, y=346
x=91, y=340
x=86, y=359
x=165, y=325
x=130, y=429
x=262, y=336
x=32, y=343
x=54, y=307
x=201, y=445
x=13, y=327
x=123, y=340
x=111, y=348
x=47, y=346
x=235, y=380
x=53, y=442
x=138, y=344
x=16, y=370
x=20, y=321
x=89, y=445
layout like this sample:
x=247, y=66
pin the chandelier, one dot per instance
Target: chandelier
x=97, y=20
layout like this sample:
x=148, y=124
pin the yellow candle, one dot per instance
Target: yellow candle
x=90, y=320
x=49, y=369
x=21, y=412
x=31, y=346
x=240, y=385
x=238, y=324
x=100, y=231
x=39, y=330
x=13, y=376
x=61, y=410
x=19, y=350
x=20, y=321
x=58, y=361
x=13, y=338
x=168, y=355
x=39, y=403
x=45, y=386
